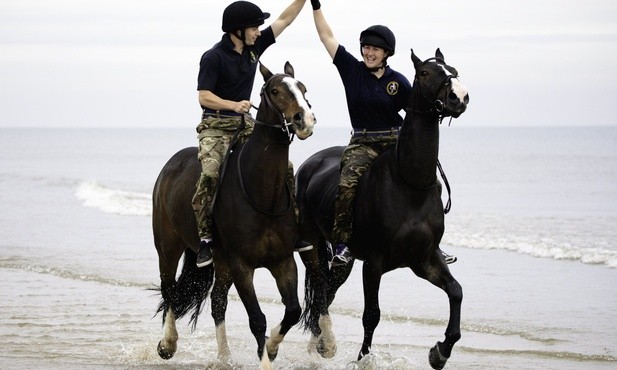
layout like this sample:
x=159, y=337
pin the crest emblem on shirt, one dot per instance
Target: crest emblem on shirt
x=253, y=57
x=392, y=87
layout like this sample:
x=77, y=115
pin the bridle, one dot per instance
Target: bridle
x=438, y=103
x=283, y=123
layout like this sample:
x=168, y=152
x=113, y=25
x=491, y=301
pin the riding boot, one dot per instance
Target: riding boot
x=204, y=255
x=342, y=255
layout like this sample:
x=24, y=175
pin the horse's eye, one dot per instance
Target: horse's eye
x=423, y=73
x=274, y=91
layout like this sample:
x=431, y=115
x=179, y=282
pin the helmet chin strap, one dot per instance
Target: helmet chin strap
x=242, y=36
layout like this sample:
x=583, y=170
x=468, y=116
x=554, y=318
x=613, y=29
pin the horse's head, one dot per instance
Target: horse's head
x=283, y=98
x=440, y=86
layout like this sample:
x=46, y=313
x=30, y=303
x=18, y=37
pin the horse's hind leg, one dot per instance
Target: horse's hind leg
x=220, y=291
x=316, y=317
x=168, y=263
x=439, y=275
x=286, y=276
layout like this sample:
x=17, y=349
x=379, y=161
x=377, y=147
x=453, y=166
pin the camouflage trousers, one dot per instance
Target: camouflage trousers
x=356, y=159
x=215, y=134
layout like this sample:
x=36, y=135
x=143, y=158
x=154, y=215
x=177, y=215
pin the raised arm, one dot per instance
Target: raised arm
x=287, y=17
x=323, y=29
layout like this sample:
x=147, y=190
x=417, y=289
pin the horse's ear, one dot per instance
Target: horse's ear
x=265, y=72
x=289, y=69
x=439, y=55
x=416, y=61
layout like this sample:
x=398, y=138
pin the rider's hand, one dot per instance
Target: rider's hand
x=242, y=106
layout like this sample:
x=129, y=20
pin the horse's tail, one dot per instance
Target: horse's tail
x=190, y=291
x=315, y=290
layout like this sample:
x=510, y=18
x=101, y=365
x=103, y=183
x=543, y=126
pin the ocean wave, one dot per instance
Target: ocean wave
x=543, y=248
x=19, y=263
x=586, y=240
x=114, y=201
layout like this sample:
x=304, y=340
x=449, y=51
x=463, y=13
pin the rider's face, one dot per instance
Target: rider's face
x=373, y=56
x=251, y=34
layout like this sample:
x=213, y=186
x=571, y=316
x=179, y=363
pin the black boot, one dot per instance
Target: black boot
x=204, y=255
x=342, y=255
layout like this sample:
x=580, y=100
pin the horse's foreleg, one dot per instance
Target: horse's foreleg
x=286, y=276
x=219, y=300
x=371, y=275
x=440, y=353
x=243, y=280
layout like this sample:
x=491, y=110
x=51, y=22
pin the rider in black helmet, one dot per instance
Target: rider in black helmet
x=375, y=95
x=225, y=82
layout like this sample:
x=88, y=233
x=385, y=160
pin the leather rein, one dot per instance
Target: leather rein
x=282, y=124
x=437, y=108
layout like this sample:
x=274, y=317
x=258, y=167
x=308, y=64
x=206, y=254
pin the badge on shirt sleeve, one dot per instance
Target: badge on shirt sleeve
x=392, y=87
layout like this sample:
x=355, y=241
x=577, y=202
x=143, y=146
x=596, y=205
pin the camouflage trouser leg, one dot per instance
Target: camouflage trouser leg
x=356, y=159
x=212, y=151
x=215, y=136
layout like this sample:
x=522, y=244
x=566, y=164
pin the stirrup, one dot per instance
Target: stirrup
x=449, y=258
x=204, y=255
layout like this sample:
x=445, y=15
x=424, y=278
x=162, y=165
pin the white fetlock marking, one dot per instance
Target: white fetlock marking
x=327, y=336
x=221, y=339
x=265, y=362
x=312, y=344
x=275, y=339
x=170, y=334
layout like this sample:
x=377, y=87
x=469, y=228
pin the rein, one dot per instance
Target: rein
x=284, y=126
x=438, y=107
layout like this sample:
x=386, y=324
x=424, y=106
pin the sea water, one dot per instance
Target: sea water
x=533, y=224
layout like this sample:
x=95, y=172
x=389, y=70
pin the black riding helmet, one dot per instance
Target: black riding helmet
x=379, y=36
x=242, y=14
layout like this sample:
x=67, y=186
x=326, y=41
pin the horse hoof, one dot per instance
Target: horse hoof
x=324, y=350
x=436, y=359
x=271, y=353
x=165, y=353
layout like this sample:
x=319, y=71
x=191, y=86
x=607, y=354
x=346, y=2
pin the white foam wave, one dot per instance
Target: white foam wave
x=114, y=201
x=536, y=237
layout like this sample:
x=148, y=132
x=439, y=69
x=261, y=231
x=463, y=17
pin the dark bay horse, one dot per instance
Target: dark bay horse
x=254, y=221
x=398, y=214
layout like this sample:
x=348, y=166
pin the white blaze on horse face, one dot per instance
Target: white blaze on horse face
x=457, y=86
x=309, y=118
x=459, y=90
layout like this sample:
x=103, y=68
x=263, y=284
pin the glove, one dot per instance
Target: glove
x=316, y=4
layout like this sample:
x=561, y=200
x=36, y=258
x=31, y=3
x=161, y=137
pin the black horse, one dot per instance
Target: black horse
x=254, y=221
x=398, y=214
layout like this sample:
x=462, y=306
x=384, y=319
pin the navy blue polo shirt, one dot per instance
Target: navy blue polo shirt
x=228, y=74
x=373, y=103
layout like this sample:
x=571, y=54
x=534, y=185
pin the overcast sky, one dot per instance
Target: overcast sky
x=134, y=63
